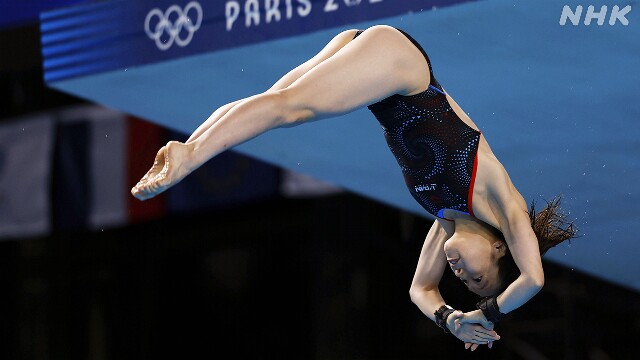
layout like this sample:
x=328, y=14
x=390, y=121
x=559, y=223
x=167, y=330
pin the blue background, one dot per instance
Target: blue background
x=558, y=104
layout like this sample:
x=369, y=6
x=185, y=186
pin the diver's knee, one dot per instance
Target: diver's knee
x=293, y=109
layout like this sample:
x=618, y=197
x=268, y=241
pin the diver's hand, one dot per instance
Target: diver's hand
x=471, y=333
x=473, y=317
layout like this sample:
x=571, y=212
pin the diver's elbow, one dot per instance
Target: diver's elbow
x=537, y=282
x=415, y=293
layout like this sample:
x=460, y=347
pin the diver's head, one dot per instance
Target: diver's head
x=479, y=256
x=473, y=253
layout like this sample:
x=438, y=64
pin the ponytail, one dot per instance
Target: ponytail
x=550, y=225
x=551, y=228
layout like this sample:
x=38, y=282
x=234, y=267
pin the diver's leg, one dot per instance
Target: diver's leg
x=379, y=63
x=329, y=50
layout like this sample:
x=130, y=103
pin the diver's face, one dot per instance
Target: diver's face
x=474, y=261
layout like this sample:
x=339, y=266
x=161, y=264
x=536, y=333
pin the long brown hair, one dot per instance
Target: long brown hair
x=551, y=228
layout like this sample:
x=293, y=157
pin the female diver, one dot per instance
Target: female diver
x=483, y=229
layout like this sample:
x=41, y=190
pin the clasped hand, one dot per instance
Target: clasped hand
x=472, y=328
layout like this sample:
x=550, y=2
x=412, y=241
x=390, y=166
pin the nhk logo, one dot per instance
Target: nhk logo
x=616, y=14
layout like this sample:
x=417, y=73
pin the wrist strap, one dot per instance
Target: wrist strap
x=489, y=307
x=441, y=316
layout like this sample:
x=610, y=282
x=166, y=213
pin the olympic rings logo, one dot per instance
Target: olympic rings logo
x=173, y=29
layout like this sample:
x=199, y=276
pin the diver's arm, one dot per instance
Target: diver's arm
x=510, y=215
x=523, y=245
x=527, y=257
x=506, y=210
x=424, y=290
x=426, y=295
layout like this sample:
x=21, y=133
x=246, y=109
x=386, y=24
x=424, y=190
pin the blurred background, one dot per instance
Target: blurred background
x=250, y=257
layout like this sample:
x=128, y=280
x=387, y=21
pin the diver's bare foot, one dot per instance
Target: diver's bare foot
x=168, y=169
x=155, y=169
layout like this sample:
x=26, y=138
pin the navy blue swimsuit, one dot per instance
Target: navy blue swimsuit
x=435, y=149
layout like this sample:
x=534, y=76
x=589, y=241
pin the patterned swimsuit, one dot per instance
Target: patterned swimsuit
x=436, y=150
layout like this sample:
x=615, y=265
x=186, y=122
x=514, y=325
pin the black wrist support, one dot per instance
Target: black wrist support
x=489, y=307
x=441, y=316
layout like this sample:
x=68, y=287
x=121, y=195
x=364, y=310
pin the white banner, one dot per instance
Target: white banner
x=25, y=158
x=296, y=185
x=107, y=146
